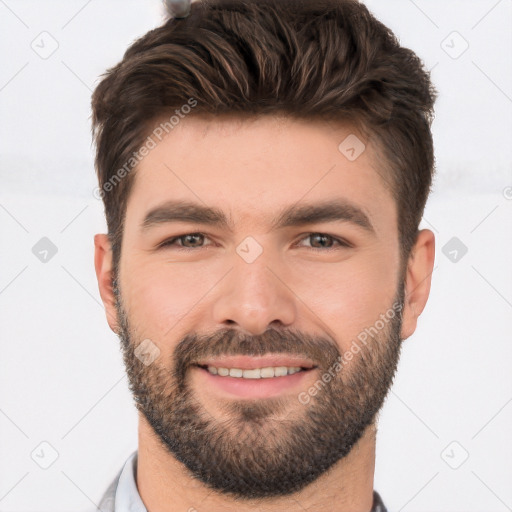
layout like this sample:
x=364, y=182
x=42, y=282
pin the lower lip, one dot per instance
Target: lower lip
x=254, y=388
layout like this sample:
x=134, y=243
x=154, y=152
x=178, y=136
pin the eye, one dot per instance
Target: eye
x=195, y=241
x=193, y=238
x=323, y=239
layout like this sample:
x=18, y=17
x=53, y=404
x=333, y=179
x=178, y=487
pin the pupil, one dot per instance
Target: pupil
x=322, y=237
x=189, y=237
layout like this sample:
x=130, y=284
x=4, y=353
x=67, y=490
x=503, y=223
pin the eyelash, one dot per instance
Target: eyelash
x=171, y=242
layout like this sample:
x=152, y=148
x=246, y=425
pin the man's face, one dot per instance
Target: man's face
x=323, y=294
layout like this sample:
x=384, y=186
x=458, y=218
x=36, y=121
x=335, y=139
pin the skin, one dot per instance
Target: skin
x=251, y=170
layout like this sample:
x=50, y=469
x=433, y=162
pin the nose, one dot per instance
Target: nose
x=255, y=297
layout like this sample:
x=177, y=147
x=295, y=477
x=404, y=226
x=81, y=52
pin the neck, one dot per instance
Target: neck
x=165, y=485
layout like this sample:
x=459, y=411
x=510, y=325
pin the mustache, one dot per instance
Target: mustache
x=322, y=351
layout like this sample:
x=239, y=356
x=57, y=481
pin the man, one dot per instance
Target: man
x=264, y=167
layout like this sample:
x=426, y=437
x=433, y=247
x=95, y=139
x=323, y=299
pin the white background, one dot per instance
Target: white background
x=61, y=375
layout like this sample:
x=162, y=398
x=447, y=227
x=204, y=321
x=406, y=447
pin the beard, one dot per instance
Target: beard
x=267, y=447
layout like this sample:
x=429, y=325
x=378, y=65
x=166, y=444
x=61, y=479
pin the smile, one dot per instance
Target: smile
x=255, y=373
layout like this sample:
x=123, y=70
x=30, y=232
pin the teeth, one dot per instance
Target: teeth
x=280, y=371
x=257, y=373
x=251, y=374
x=267, y=372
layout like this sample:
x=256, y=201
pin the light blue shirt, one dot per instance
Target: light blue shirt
x=127, y=497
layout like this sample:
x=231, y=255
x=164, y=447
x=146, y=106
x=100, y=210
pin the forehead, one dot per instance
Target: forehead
x=251, y=168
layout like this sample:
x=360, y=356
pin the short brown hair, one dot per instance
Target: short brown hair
x=311, y=59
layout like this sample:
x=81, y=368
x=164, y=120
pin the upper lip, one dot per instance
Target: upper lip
x=250, y=362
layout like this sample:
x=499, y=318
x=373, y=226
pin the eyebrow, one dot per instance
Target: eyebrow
x=294, y=215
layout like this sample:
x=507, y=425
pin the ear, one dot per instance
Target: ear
x=104, y=275
x=417, y=280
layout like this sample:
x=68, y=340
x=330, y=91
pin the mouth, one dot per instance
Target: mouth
x=254, y=377
x=265, y=372
x=260, y=367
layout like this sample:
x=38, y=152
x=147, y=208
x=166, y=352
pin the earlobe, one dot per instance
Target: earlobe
x=104, y=275
x=418, y=280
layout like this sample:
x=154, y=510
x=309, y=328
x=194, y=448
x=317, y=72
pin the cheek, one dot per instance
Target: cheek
x=350, y=296
x=159, y=294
